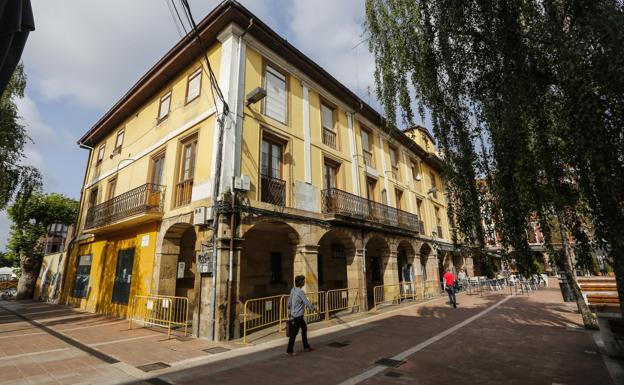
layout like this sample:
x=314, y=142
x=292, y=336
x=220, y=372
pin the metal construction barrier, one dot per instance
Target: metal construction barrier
x=160, y=310
x=389, y=294
x=316, y=298
x=261, y=312
x=386, y=294
x=432, y=288
x=341, y=300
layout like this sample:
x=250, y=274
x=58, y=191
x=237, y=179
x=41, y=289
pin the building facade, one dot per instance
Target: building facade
x=307, y=181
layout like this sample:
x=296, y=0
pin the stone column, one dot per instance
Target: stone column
x=356, y=277
x=306, y=264
x=390, y=275
x=469, y=266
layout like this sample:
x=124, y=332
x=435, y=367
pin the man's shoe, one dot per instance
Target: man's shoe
x=455, y=306
x=291, y=354
x=308, y=349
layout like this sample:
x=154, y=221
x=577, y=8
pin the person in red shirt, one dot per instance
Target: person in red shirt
x=449, y=286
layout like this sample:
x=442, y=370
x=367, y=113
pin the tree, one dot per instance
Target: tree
x=31, y=213
x=4, y=261
x=528, y=95
x=14, y=176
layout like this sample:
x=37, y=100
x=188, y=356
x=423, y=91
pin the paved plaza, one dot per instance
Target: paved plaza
x=489, y=339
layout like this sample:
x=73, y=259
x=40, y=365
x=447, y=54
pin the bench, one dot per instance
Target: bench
x=601, y=295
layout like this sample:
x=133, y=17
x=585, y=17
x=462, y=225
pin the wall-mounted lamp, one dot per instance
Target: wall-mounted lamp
x=255, y=96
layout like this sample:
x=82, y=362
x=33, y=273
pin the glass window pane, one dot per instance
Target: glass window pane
x=365, y=143
x=120, y=138
x=193, y=87
x=275, y=101
x=265, y=158
x=327, y=117
x=164, y=106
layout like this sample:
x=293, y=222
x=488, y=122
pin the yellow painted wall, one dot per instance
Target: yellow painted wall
x=143, y=131
x=104, y=253
x=255, y=123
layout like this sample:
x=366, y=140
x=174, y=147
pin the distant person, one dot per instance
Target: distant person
x=461, y=275
x=449, y=286
x=297, y=302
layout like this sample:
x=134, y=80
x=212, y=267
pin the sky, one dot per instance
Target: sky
x=84, y=55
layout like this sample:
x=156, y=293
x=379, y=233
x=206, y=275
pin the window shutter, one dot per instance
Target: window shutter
x=275, y=106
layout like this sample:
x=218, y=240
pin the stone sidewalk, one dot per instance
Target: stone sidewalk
x=489, y=339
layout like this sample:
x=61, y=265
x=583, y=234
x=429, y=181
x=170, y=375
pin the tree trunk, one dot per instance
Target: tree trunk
x=589, y=320
x=618, y=269
x=30, y=270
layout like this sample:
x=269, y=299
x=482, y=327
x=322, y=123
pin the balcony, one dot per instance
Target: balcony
x=142, y=204
x=329, y=138
x=272, y=190
x=343, y=205
x=368, y=159
x=184, y=191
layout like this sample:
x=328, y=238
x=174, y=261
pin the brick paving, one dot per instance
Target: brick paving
x=520, y=340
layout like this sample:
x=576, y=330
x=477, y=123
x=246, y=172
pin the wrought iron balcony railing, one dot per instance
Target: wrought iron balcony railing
x=272, y=190
x=329, y=138
x=184, y=192
x=368, y=159
x=342, y=203
x=147, y=198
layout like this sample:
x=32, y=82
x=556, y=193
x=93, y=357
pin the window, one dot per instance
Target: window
x=100, y=156
x=271, y=158
x=110, y=191
x=384, y=197
x=421, y=216
x=330, y=174
x=275, y=101
x=193, y=85
x=186, y=172
x=158, y=163
x=394, y=162
x=163, y=108
x=433, y=185
x=367, y=148
x=123, y=276
x=438, y=222
x=276, y=267
x=398, y=197
x=272, y=187
x=81, y=284
x=328, y=122
x=119, y=141
x=414, y=170
x=93, y=196
x=370, y=189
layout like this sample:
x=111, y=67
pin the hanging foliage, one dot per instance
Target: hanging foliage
x=525, y=95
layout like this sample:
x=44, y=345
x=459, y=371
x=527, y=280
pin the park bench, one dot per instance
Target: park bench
x=601, y=295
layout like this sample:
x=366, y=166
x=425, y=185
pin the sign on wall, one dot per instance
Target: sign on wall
x=181, y=266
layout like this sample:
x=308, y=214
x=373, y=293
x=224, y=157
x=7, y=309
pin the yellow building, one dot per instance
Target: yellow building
x=321, y=188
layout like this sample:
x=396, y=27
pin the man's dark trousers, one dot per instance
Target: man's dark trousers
x=296, y=324
x=451, y=293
